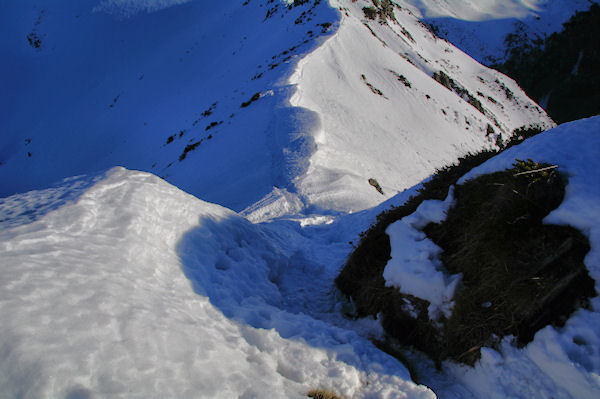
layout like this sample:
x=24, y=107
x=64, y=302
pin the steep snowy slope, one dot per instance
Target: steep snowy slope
x=131, y=288
x=209, y=96
x=163, y=86
x=480, y=27
x=384, y=116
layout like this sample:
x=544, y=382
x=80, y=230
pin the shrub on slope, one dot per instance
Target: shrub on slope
x=518, y=274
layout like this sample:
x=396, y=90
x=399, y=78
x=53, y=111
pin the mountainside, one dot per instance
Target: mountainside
x=164, y=86
x=488, y=30
x=182, y=182
x=561, y=71
x=386, y=90
x=212, y=98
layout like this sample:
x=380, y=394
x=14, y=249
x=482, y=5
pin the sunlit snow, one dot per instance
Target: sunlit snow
x=119, y=283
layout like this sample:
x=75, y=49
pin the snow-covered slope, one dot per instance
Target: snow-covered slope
x=122, y=286
x=384, y=117
x=152, y=85
x=210, y=96
x=480, y=27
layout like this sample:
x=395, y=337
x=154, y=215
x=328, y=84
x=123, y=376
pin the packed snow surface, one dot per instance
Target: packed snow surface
x=135, y=289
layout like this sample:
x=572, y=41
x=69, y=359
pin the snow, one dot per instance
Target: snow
x=135, y=90
x=136, y=289
x=564, y=362
x=414, y=267
x=128, y=8
x=400, y=137
x=117, y=283
x=136, y=83
x=121, y=285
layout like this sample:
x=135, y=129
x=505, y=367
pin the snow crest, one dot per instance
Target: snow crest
x=136, y=289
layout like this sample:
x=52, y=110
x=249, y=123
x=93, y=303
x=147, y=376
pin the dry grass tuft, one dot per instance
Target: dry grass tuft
x=322, y=394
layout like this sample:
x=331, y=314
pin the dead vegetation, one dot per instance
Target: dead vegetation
x=519, y=275
x=449, y=83
x=373, y=89
x=322, y=394
x=254, y=97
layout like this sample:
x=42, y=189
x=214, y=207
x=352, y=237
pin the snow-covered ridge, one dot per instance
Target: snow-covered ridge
x=132, y=288
x=118, y=284
x=139, y=290
x=193, y=91
x=384, y=116
x=220, y=99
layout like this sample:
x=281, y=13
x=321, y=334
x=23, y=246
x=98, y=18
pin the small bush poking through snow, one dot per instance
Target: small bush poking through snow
x=375, y=184
x=457, y=88
x=384, y=9
x=370, y=12
x=322, y=394
x=401, y=78
x=373, y=89
x=254, y=97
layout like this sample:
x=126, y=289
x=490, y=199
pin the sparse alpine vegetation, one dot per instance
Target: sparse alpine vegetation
x=322, y=394
x=518, y=275
x=384, y=9
x=254, y=97
x=446, y=81
x=373, y=89
x=401, y=78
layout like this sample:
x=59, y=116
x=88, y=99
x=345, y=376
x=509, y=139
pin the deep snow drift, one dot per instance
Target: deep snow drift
x=135, y=289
